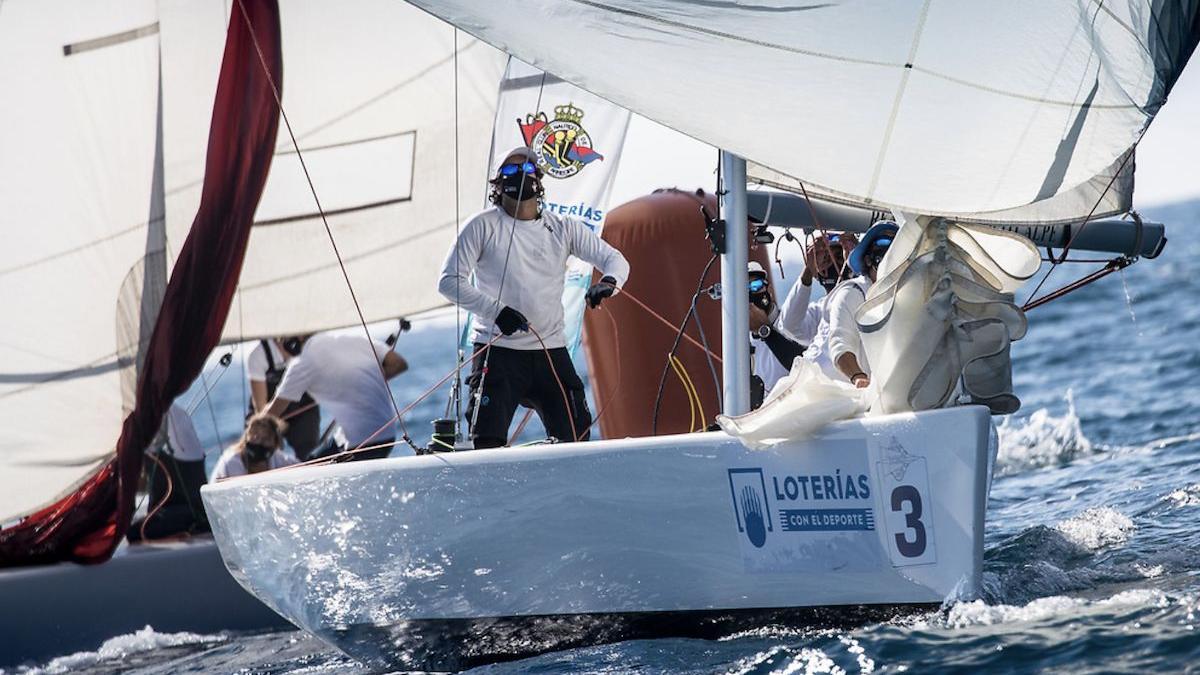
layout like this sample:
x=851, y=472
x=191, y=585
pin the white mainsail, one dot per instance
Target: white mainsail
x=100, y=180
x=876, y=100
x=80, y=217
x=369, y=91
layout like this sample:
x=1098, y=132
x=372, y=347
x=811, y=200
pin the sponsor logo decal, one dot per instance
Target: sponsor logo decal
x=562, y=145
x=750, y=506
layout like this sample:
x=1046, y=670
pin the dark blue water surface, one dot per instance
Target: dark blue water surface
x=1092, y=550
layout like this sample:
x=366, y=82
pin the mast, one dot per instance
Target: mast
x=735, y=301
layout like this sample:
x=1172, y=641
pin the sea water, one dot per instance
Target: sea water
x=1092, y=553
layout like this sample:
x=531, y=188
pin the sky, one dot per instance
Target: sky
x=1168, y=158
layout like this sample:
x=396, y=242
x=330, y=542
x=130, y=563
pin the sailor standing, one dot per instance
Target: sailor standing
x=518, y=253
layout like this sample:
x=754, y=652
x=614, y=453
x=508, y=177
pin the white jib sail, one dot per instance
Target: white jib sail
x=871, y=99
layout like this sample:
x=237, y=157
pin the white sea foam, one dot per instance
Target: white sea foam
x=1188, y=496
x=1097, y=528
x=979, y=613
x=1042, y=439
x=120, y=647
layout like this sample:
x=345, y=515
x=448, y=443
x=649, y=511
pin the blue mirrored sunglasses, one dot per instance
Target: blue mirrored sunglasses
x=758, y=285
x=512, y=169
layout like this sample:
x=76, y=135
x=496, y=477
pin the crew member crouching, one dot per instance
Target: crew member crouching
x=518, y=253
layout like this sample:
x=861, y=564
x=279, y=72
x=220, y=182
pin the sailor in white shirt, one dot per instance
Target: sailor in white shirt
x=345, y=372
x=837, y=345
x=259, y=449
x=518, y=253
x=798, y=317
x=265, y=366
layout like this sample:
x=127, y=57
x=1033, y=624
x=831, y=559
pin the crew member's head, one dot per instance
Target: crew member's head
x=292, y=345
x=518, y=178
x=865, y=257
x=760, y=286
x=826, y=257
x=262, y=438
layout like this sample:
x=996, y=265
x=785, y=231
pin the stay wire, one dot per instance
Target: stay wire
x=1034, y=301
x=487, y=355
x=457, y=394
x=325, y=221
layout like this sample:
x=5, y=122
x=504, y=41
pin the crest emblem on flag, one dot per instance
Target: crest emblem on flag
x=562, y=145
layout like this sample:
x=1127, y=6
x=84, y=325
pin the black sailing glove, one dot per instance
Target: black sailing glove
x=510, y=321
x=598, y=292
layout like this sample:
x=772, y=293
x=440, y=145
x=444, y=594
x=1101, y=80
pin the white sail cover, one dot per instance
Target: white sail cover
x=369, y=90
x=79, y=222
x=932, y=107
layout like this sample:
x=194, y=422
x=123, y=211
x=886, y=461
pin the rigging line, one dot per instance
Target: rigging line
x=487, y=355
x=712, y=367
x=418, y=399
x=262, y=59
x=561, y=388
x=457, y=393
x=695, y=394
x=1033, y=301
x=687, y=392
x=521, y=426
x=162, y=502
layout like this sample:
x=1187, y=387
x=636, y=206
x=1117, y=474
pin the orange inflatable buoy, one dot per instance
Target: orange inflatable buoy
x=662, y=236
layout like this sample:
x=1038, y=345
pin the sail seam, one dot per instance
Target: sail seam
x=844, y=59
x=891, y=124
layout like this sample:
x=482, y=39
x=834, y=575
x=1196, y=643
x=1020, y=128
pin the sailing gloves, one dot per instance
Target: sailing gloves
x=510, y=321
x=598, y=292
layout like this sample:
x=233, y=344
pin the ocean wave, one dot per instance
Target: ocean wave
x=120, y=648
x=1040, y=440
x=1097, y=528
x=979, y=613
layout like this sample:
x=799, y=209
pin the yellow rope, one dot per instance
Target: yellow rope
x=686, y=390
x=695, y=393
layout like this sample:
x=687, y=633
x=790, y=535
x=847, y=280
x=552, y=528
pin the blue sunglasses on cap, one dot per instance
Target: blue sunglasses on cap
x=513, y=169
x=758, y=285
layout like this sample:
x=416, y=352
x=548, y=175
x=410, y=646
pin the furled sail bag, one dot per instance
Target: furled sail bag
x=940, y=317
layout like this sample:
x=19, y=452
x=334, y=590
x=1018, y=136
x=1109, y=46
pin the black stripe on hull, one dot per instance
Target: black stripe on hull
x=457, y=644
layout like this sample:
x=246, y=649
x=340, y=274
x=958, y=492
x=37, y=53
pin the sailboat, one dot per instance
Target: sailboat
x=143, y=231
x=957, y=117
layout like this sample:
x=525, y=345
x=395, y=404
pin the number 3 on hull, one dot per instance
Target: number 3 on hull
x=905, y=481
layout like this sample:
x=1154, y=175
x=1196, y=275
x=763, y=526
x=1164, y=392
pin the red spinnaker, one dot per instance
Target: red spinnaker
x=87, y=525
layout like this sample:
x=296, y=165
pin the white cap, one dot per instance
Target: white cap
x=754, y=267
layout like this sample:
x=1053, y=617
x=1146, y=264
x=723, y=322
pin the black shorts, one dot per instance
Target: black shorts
x=524, y=377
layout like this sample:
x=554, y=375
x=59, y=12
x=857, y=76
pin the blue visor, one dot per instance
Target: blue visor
x=758, y=285
x=513, y=169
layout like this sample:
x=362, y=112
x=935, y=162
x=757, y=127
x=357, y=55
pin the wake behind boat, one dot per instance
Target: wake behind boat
x=452, y=560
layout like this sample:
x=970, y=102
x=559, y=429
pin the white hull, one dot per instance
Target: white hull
x=453, y=559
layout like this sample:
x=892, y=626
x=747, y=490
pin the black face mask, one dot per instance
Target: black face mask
x=520, y=186
x=256, y=452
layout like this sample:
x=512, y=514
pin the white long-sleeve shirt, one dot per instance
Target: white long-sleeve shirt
x=798, y=320
x=838, y=333
x=533, y=283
